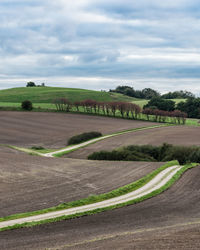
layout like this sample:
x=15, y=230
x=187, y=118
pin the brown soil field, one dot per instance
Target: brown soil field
x=54, y=129
x=177, y=135
x=29, y=183
x=170, y=220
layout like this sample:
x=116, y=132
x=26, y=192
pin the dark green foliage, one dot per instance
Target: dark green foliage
x=83, y=137
x=27, y=105
x=161, y=104
x=30, y=84
x=108, y=156
x=149, y=93
x=178, y=95
x=146, y=93
x=191, y=107
x=165, y=152
x=37, y=147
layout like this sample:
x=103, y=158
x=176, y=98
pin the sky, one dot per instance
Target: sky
x=100, y=44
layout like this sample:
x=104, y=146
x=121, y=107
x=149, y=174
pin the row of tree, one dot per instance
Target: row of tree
x=175, y=116
x=32, y=84
x=149, y=93
x=146, y=93
x=107, y=108
x=128, y=110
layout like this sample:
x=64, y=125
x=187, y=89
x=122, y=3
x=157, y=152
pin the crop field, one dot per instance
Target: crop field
x=158, y=136
x=170, y=220
x=54, y=129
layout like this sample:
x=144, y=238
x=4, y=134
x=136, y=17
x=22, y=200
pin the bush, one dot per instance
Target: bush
x=37, y=147
x=165, y=152
x=27, y=105
x=122, y=155
x=83, y=137
x=30, y=84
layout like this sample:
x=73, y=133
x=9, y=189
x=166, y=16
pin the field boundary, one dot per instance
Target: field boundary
x=71, y=148
x=126, y=189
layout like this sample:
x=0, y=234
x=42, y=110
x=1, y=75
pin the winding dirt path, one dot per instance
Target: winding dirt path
x=157, y=182
x=84, y=144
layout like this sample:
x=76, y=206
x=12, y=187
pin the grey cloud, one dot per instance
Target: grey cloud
x=99, y=39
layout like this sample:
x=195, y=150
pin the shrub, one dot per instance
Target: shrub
x=165, y=152
x=107, y=156
x=30, y=84
x=83, y=137
x=27, y=105
x=37, y=147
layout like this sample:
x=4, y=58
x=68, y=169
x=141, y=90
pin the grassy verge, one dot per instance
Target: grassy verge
x=96, y=198
x=43, y=151
x=156, y=192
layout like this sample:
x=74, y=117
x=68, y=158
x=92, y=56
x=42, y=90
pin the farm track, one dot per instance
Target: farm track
x=29, y=183
x=89, y=142
x=170, y=220
x=157, y=182
x=177, y=135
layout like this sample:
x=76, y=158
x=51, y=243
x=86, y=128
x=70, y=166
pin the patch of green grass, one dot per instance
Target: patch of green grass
x=156, y=192
x=192, y=122
x=96, y=198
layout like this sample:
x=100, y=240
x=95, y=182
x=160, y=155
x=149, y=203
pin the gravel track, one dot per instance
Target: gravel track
x=157, y=182
x=29, y=183
x=177, y=135
x=170, y=220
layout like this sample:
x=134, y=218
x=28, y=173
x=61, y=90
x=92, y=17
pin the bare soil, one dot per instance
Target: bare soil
x=170, y=220
x=29, y=183
x=52, y=130
x=177, y=135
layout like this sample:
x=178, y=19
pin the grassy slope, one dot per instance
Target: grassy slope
x=45, y=95
x=48, y=94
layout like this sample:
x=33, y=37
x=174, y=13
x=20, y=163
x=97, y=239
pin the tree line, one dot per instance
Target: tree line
x=148, y=93
x=126, y=110
x=106, y=108
x=175, y=116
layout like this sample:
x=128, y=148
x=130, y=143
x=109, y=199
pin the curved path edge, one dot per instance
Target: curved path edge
x=69, y=149
x=156, y=183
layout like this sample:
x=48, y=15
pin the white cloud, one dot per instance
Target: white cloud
x=97, y=39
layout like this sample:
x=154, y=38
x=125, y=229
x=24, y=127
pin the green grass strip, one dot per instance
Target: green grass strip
x=96, y=198
x=154, y=193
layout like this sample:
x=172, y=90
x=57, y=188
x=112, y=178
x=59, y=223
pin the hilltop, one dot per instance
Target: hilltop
x=48, y=94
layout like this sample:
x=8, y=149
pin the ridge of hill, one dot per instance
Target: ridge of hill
x=48, y=94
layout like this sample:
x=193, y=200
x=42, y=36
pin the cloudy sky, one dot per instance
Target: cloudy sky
x=99, y=44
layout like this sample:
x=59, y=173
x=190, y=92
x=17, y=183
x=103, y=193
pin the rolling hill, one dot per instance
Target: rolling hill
x=48, y=94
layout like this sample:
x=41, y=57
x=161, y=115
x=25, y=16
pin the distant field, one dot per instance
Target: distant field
x=48, y=94
x=141, y=103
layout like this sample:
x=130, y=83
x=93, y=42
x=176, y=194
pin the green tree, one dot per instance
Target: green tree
x=30, y=84
x=161, y=104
